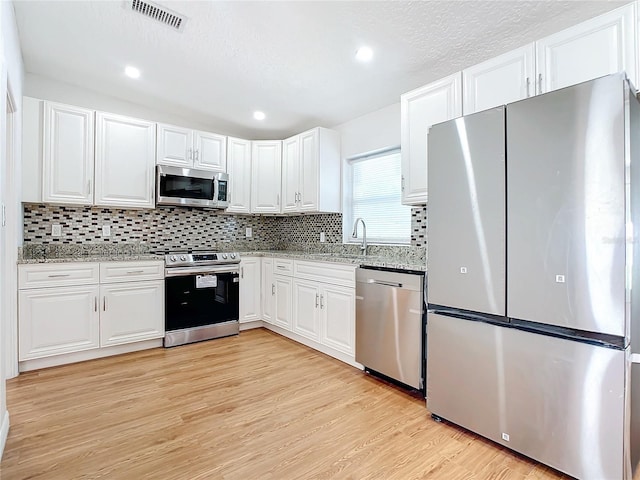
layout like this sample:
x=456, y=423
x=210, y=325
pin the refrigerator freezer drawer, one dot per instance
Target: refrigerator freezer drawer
x=557, y=401
x=463, y=382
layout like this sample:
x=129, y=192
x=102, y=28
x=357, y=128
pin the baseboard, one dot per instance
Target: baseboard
x=332, y=352
x=4, y=432
x=250, y=325
x=55, y=360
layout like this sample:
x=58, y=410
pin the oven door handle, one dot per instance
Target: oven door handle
x=183, y=272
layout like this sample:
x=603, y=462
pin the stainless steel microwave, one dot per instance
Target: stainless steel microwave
x=191, y=188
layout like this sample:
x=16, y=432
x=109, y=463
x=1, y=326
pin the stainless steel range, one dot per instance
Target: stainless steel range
x=201, y=296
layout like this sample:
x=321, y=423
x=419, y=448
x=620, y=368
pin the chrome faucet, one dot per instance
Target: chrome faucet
x=363, y=247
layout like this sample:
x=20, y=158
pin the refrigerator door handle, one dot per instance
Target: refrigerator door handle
x=635, y=358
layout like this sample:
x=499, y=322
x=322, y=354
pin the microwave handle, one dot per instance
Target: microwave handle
x=216, y=188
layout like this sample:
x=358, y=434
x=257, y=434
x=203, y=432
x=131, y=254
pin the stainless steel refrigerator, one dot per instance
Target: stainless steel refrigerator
x=532, y=321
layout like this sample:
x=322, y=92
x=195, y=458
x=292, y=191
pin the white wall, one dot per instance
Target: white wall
x=10, y=174
x=49, y=89
x=374, y=131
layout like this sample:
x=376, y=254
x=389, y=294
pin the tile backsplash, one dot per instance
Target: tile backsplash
x=175, y=228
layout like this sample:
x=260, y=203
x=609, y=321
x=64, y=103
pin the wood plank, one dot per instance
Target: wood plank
x=256, y=405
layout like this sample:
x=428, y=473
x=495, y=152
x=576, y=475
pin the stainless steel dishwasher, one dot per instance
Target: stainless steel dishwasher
x=390, y=324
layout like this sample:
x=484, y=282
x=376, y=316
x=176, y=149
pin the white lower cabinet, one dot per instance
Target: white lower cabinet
x=58, y=320
x=306, y=308
x=313, y=303
x=338, y=307
x=249, y=289
x=282, y=306
x=71, y=307
x=268, y=290
x=131, y=312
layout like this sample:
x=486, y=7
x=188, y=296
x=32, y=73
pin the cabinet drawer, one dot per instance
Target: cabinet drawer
x=283, y=266
x=336, y=274
x=114, y=272
x=57, y=275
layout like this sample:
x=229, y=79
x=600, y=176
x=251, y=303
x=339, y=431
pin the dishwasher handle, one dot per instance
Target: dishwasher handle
x=386, y=284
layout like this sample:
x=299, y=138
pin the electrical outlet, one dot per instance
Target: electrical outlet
x=322, y=239
x=56, y=230
x=505, y=437
x=248, y=232
x=106, y=230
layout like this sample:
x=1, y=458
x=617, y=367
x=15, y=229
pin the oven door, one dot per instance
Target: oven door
x=184, y=186
x=200, y=298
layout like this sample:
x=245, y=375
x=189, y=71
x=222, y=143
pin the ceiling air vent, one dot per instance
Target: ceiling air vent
x=156, y=12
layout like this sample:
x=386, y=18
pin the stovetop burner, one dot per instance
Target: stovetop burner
x=181, y=259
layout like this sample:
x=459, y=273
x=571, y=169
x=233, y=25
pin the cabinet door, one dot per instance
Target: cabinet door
x=338, y=317
x=421, y=108
x=53, y=321
x=68, y=154
x=174, y=146
x=239, y=168
x=309, y=165
x=209, y=151
x=306, y=309
x=249, y=289
x=265, y=179
x=290, y=174
x=268, y=289
x=501, y=80
x=282, y=306
x=131, y=312
x=592, y=49
x=125, y=159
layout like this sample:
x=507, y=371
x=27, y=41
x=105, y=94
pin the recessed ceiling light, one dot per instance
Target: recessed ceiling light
x=258, y=115
x=364, y=54
x=132, y=72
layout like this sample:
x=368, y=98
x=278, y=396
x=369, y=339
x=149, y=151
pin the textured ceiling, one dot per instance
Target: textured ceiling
x=292, y=59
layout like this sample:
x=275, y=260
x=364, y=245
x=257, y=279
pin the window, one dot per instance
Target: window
x=373, y=186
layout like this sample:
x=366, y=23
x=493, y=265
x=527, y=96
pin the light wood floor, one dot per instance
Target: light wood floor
x=256, y=406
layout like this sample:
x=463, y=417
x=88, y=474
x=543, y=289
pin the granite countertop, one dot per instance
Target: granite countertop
x=398, y=261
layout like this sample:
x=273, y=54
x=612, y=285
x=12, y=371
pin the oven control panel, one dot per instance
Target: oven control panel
x=201, y=258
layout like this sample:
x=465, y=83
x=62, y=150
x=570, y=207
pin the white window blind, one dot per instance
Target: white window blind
x=376, y=197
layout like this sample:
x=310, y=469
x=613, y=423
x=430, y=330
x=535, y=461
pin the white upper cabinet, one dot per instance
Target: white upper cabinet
x=125, y=158
x=311, y=172
x=592, y=49
x=68, y=154
x=209, y=151
x=175, y=146
x=239, y=169
x=266, y=165
x=434, y=103
x=290, y=173
x=182, y=147
x=503, y=79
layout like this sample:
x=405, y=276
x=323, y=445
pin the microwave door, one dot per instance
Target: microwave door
x=185, y=187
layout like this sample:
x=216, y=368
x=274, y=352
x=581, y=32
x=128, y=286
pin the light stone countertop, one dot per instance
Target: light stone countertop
x=399, y=261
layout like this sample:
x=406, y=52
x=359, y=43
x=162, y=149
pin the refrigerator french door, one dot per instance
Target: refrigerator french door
x=530, y=303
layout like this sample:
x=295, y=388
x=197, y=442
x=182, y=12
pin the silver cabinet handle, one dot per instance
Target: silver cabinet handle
x=539, y=83
x=241, y=272
x=197, y=154
x=273, y=289
x=317, y=300
x=104, y=303
x=95, y=304
x=278, y=199
x=402, y=183
x=58, y=275
x=190, y=155
x=281, y=267
x=528, y=86
x=88, y=186
x=131, y=272
x=321, y=299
